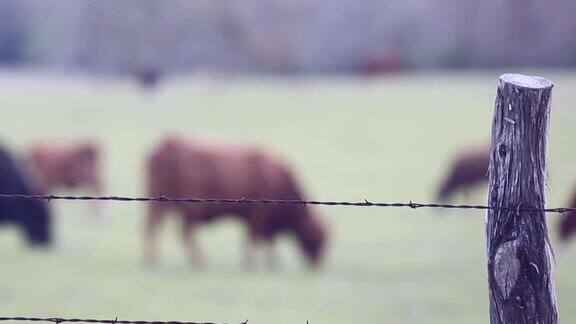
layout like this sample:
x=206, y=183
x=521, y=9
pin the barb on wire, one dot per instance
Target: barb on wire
x=59, y=320
x=364, y=203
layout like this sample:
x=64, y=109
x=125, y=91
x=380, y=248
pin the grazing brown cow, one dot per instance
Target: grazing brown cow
x=469, y=168
x=387, y=61
x=215, y=169
x=71, y=165
x=567, y=224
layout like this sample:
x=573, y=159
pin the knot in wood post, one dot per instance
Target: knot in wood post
x=520, y=259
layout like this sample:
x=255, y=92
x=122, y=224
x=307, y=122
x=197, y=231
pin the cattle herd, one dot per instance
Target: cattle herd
x=201, y=168
x=178, y=167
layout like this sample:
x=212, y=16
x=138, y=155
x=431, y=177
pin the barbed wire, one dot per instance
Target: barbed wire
x=364, y=203
x=59, y=320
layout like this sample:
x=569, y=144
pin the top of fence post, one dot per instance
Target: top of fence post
x=526, y=81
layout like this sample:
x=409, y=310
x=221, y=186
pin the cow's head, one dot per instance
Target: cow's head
x=312, y=236
x=36, y=222
x=567, y=226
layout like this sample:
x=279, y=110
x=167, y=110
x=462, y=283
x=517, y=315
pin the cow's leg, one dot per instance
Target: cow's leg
x=98, y=207
x=255, y=236
x=190, y=244
x=272, y=260
x=153, y=222
x=466, y=195
x=248, y=250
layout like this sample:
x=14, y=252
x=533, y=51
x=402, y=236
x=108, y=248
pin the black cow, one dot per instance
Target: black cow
x=148, y=78
x=31, y=216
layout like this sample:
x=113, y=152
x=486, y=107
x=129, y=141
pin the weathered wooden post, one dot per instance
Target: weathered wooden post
x=520, y=259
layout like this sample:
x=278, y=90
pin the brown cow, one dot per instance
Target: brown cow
x=71, y=165
x=469, y=168
x=385, y=61
x=567, y=224
x=215, y=169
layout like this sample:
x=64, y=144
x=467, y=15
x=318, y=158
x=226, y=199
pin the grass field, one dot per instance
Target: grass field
x=385, y=139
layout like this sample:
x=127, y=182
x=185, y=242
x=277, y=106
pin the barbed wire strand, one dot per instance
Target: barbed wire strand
x=59, y=320
x=364, y=203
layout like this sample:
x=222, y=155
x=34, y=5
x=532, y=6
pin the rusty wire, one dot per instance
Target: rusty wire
x=59, y=320
x=364, y=203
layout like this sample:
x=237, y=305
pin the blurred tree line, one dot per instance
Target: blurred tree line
x=286, y=36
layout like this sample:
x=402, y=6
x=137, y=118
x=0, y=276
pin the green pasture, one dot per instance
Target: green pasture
x=385, y=139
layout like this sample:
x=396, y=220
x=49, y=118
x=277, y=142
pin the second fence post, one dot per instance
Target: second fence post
x=520, y=259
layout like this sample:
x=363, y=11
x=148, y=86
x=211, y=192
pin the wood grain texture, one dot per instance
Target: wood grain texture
x=520, y=258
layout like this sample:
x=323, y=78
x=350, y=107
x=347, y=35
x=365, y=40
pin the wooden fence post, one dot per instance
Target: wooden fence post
x=520, y=258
